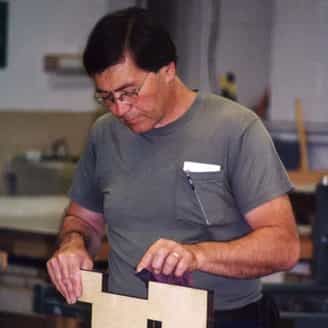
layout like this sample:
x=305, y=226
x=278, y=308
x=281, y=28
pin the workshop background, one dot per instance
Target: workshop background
x=270, y=55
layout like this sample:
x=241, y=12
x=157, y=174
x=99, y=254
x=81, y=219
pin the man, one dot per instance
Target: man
x=188, y=183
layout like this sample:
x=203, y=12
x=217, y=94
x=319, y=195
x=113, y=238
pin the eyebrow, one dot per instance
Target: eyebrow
x=122, y=87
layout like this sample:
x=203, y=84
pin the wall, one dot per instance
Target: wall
x=119, y=4
x=188, y=23
x=241, y=43
x=38, y=27
x=299, y=69
x=300, y=59
x=244, y=46
x=191, y=21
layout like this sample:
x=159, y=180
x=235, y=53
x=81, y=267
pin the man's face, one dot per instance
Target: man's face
x=134, y=96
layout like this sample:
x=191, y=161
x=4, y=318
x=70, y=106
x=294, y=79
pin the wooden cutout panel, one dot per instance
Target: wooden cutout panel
x=173, y=306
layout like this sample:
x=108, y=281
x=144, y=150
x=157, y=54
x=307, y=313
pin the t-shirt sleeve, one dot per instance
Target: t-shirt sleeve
x=84, y=189
x=256, y=172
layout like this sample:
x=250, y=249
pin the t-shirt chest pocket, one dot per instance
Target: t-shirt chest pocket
x=203, y=198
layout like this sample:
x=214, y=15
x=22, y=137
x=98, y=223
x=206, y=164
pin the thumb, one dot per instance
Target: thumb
x=87, y=263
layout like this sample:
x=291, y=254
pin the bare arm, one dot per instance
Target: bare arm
x=272, y=246
x=79, y=240
x=83, y=224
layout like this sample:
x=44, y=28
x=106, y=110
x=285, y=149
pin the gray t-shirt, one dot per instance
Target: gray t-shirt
x=137, y=181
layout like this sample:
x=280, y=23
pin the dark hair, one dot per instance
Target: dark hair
x=134, y=30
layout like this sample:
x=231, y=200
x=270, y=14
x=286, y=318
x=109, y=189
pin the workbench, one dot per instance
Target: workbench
x=29, y=226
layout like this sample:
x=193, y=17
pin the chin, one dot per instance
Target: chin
x=140, y=128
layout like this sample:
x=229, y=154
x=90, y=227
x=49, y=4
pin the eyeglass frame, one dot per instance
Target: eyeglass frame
x=112, y=99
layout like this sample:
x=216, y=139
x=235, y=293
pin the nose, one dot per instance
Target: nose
x=119, y=108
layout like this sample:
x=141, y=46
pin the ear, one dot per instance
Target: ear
x=168, y=72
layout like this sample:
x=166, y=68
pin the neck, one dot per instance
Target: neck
x=180, y=99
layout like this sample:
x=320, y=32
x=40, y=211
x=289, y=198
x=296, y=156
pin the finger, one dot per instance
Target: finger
x=52, y=274
x=159, y=258
x=56, y=278
x=87, y=263
x=183, y=265
x=77, y=284
x=64, y=281
x=68, y=276
x=171, y=262
x=148, y=258
x=145, y=262
x=75, y=279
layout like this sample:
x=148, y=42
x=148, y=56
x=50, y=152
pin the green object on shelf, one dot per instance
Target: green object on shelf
x=3, y=33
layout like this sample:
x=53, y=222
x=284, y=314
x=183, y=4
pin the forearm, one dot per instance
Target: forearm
x=262, y=252
x=79, y=233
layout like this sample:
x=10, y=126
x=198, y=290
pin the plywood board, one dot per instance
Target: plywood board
x=173, y=306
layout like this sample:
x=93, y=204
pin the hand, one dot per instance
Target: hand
x=169, y=257
x=64, y=270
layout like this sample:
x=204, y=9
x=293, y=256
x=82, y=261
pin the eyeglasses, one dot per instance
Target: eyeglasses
x=126, y=96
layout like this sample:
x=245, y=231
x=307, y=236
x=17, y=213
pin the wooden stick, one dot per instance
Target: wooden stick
x=3, y=261
x=302, y=138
